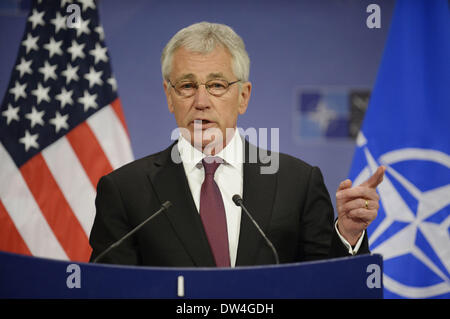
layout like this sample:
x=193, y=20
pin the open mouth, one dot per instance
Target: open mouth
x=198, y=121
x=202, y=124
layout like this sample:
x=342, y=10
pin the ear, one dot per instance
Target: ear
x=168, y=96
x=244, y=97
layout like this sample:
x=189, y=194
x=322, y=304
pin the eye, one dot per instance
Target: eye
x=217, y=85
x=186, y=85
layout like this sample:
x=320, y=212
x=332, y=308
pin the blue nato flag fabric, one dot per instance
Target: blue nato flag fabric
x=407, y=129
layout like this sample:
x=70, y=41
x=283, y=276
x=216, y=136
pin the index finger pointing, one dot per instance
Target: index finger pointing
x=376, y=178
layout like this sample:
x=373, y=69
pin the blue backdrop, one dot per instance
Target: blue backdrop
x=291, y=44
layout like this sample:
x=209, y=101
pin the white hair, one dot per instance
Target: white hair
x=204, y=37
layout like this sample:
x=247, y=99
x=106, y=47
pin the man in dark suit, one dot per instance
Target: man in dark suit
x=205, y=69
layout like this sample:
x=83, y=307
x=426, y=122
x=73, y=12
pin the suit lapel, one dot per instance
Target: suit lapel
x=258, y=195
x=170, y=183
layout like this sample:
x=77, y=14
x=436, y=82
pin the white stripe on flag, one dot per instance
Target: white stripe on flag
x=25, y=213
x=72, y=180
x=112, y=136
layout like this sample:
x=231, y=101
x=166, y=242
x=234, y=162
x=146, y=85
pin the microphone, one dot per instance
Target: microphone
x=239, y=202
x=164, y=206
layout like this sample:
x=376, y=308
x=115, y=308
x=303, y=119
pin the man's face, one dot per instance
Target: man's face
x=206, y=111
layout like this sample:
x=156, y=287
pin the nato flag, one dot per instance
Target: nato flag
x=407, y=129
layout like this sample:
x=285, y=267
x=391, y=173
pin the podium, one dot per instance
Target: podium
x=32, y=277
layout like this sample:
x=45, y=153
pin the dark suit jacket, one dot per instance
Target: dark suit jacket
x=292, y=207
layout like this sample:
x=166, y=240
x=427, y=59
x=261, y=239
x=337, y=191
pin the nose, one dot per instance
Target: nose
x=202, y=96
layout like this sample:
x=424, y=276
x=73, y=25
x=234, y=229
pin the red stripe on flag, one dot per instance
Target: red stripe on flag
x=89, y=152
x=117, y=107
x=55, y=209
x=10, y=239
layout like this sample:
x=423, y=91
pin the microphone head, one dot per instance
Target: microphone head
x=166, y=205
x=237, y=200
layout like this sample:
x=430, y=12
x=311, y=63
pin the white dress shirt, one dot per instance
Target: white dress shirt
x=351, y=250
x=229, y=177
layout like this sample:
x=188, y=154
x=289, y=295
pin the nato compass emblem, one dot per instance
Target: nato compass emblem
x=412, y=229
x=332, y=113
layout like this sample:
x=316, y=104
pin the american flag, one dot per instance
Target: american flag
x=61, y=129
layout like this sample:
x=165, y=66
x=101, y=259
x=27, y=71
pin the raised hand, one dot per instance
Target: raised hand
x=357, y=206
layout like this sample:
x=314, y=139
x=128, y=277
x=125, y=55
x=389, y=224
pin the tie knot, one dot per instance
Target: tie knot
x=210, y=164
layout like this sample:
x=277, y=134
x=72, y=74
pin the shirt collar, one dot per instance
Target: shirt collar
x=232, y=154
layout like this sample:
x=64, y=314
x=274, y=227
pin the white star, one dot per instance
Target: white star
x=12, y=113
x=76, y=50
x=18, y=90
x=29, y=140
x=99, y=53
x=64, y=2
x=30, y=43
x=53, y=47
x=112, y=81
x=60, y=121
x=35, y=117
x=101, y=32
x=70, y=73
x=65, y=97
x=93, y=77
x=24, y=67
x=37, y=18
x=41, y=93
x=83, y=27
x=87, y=4
x=88, y=100
x=48, y=71
x=59, y=22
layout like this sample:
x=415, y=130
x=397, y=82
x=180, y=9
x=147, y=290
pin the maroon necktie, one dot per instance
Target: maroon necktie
x=212, y=213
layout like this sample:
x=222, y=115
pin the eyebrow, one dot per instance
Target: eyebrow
x=216, y=76
x=191, y=76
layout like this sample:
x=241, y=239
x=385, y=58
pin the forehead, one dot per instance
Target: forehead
x=189, y=64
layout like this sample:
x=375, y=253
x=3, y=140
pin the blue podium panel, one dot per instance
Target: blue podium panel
x=32, y=277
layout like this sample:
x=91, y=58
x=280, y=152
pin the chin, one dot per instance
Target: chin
x=211, y=147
